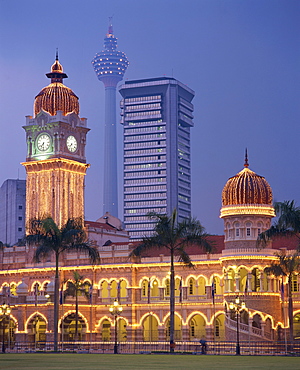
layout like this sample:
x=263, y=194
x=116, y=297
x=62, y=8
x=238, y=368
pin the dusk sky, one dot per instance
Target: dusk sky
x=241, y=57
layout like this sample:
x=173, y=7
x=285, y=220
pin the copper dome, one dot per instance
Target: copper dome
x=247, y=187
x=56, y=96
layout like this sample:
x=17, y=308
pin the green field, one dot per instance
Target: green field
x=143, y=362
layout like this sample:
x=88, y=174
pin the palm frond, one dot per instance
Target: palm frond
x=86, y=248
x=148, y=243
x=42, y=252
x=184, y=257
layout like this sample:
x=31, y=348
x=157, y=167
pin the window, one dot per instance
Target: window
x=20, y=218
x=20, y=207
x=19, y=229
x=248, y=231
x=191, y=287
x=167, y=288
x=294, y=284
x=237, y=232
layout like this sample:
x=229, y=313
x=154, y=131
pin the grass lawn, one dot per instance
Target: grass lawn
x=76, y=361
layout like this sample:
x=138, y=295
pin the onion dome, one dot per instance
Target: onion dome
x=247, y=193
x=22, y=289
x=56, y=96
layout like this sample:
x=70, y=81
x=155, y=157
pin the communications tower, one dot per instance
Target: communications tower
x=110, y=66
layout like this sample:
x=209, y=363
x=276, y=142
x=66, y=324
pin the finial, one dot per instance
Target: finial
x=246, y=164
x=110, y=26
x=56, y=58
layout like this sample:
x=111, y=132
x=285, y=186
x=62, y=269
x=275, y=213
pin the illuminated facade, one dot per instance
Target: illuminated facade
x=56, y=168
x=157, y=115
x=143, y=286
x=110, y=66
x=55, y=163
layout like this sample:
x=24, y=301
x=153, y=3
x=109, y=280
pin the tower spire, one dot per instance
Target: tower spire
x=110, y=26
x=246, y=164
x=56, y=57
x=110, y=66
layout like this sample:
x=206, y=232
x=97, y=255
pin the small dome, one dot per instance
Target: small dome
x=56, y=67
x=247, y=188
x=56, y=96
x=22, y=289
x=247, y=193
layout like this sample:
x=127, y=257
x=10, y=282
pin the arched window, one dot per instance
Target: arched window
x=144, y=288
x=167, y=287
x=191, y=286
x=154, y=288
x=259, y=227
x=255, y=280
x=248, y=228
x=114, y=289
x=237, y=229
x=13, y=289
x=294, y=283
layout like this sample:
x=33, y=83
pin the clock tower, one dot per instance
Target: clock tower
x=55, y=163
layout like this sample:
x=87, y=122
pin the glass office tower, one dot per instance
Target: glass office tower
x=157, y=115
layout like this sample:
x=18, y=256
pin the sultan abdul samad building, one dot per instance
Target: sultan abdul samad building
x=56, y=167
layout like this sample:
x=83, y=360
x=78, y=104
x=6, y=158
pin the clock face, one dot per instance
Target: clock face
x=43, y=142
x=72, y=144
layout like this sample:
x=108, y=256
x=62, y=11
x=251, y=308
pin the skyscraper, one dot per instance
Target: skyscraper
x=110, y=66
x=12, y=211
x=157, y=115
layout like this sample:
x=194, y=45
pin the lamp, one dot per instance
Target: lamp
x=237, y=306
x=116, y=310
x=5, y=310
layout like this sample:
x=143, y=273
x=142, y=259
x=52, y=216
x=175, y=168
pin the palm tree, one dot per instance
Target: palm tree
x=175, y=237
x=286, y=265
x=49, y=238
x=286, y=225
x=76, y=288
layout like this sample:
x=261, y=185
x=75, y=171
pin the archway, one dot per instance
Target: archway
x=8, y=328
x=297, y=326
x=154, y=288
x=256, y=323
x=104, y=289
x=197, y=327
x=177, y=328
x=122, y=330
x=219, y=328
x=37, y=330
x=113, y=289
x=106, y=331
x=255, y=280
x=69, y=328
x=150, y=329
x=123, y=289
x=243, y=279
x=192, y=287
x=268, y=328
x=201, y=286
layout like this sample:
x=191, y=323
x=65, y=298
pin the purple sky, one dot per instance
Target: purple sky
x=241, y=57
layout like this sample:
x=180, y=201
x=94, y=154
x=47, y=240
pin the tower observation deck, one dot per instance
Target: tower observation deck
x=110, y=66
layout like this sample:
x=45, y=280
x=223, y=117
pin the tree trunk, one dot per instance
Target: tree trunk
x=76, y=314
x=172, y=303
x=290, y=309
x=56, y=302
